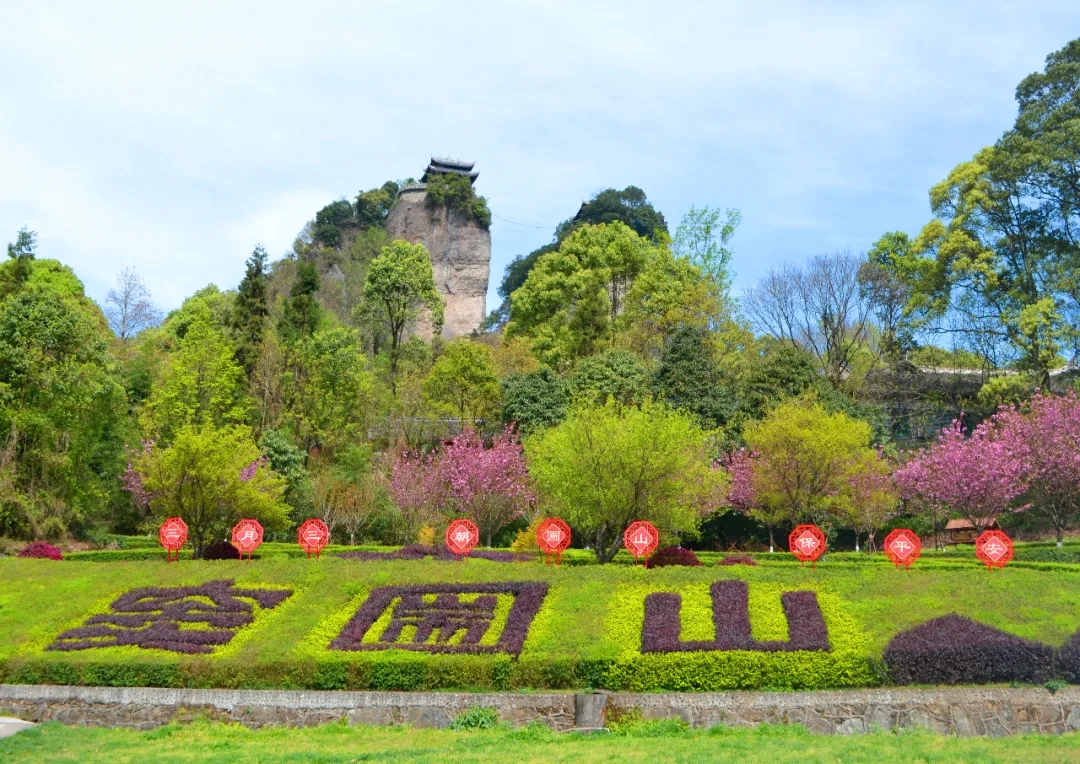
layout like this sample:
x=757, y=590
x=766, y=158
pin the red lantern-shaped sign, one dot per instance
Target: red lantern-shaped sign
x=246, y=536
x=994, y=548
x=172, y=535
x=313, y=535
x=640, y=539
x=553, y=536
x=461, y=536
x=807, y=543
x=903, y=547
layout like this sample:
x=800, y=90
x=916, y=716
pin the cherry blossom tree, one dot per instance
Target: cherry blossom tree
x=978, y=477
x=872, y=497
x=1048, y=437
x=415, y=488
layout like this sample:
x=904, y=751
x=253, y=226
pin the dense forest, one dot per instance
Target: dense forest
x=303, y=391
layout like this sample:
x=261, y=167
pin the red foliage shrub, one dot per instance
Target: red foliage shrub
x=1069, y=659
x=673, y=555
x=957, y=650
x=41, y=550
x=737, y=559
x=222, y=550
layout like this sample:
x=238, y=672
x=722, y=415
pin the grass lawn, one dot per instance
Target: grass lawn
x=204, y=742
x=589, y=620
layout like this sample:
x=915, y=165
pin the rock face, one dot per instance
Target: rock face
x=460, y=252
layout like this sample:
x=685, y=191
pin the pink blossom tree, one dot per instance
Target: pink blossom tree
x=872, y=497
x=415, y=487
x=1048, y=436
x=489, y=485
x=131, y=480
x=978, y=477
x=743, y=495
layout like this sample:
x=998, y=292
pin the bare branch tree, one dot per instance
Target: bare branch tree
x=821, y=309
x=128, y=307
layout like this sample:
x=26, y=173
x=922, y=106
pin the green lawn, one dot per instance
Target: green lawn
x=205, y=742
x=589, y=622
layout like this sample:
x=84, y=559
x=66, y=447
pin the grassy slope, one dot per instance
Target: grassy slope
x=212, y=743
x=40, y=598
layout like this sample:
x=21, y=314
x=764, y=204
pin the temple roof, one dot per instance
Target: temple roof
x=443, y=166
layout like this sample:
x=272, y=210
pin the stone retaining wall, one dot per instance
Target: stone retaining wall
x=949, y=711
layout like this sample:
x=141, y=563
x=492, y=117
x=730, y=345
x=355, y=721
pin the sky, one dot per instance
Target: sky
x=173, y=137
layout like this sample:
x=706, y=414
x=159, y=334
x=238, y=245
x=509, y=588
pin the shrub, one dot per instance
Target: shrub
x=736, y=559
x=41, y=550
x=222, y=550
x=953, y=649
x=673, y=555
x=1069, y=659
x=476, y=718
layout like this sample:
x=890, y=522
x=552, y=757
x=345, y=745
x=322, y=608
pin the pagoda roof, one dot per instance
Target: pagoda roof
x=444, y=166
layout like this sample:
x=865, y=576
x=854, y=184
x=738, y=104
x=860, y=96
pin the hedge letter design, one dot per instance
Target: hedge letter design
x=731, y=614
x=151, y=618
x=435, y=613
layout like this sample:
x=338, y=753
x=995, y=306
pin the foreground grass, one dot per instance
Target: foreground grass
x=665, y=741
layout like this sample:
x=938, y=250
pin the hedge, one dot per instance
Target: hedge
x=589, y=629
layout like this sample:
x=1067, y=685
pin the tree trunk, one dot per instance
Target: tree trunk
x=772, y=544
x=1060, y=536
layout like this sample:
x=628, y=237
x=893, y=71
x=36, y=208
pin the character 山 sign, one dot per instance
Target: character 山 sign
x=172, y=535
x=247, y=535
x=807, y=544
x=641, y=539
x=461, y=536
x=553, y=537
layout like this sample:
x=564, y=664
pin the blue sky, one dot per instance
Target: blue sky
x=173, y=141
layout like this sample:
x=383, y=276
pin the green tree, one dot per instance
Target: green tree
x=629, y=207
x=400, y=286
x=373, y=206
x=22, y=254
x=289, y=461
x=805, y=459
x=704, y=240
x=333, y=390
x=606, y=466
x=570, y=301
x=536, y=400
x=250, y=310
x=302, y=314
x=690, y=380
x=463, y=382
x=616, y=375
x=456, y=192
x=202, y=384
x=200, y=478
x=329, y=222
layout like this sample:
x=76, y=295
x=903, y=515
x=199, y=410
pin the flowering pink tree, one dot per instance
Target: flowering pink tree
x=743, y=494
x=490, y=485
x=978, y=477
x=415, y=487
x=1048, y=436
x=131, y=480
x=872, y=497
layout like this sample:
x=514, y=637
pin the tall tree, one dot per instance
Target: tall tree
x=22, y=253
x=689, y=379
x=463, y=383
x=250, y=310
x=400, y=287
x=129, y=307
x=302, y=313
x=704, y=240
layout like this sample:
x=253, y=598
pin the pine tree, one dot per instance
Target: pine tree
x=301, y=316
x=250, y=310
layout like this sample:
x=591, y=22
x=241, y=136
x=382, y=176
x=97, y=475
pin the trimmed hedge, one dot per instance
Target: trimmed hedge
x=957, y=650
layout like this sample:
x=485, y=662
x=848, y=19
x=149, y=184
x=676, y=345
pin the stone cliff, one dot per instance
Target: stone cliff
x=460, y=251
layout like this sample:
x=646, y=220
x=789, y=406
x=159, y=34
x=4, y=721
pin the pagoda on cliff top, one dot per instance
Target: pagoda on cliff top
x=441, y=166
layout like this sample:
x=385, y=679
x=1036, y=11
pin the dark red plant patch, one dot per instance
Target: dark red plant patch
x=222, y=550
x=41, y=550
x=1069, y=659
x=420, y=552
x=151, y=618
x=447, y=614
x=673, y=555
x=737, y=559
x=731, y=617
x=953, y=649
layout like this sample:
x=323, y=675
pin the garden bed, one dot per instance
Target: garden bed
x=572, y=627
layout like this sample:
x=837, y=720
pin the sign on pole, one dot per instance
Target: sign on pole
x=994, y=548
x=312, y=535
x=247, y=535
x=641, y=539
x=172, y=535
x=903, y=547
x=807, y=543
x=461, y=536
x=553, y=536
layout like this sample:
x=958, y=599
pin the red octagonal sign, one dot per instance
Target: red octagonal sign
x=312, y=535
x=461, y=536
x=247, y=535
x=172, y=535
x=903, y=547
x=807, y=543
x=553, y=536
x=994, y=548
x=640, y=539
